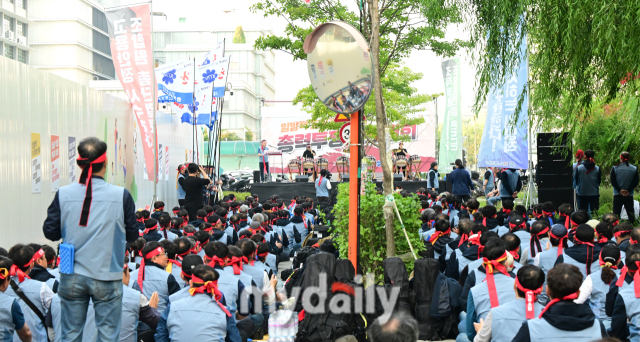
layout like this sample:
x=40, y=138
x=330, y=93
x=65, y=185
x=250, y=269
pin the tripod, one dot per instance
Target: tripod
x=530, y=195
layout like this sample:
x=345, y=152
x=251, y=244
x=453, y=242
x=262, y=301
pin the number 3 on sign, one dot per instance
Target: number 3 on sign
x=345, y=133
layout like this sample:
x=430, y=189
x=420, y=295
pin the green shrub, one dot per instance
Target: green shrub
x=373, y=241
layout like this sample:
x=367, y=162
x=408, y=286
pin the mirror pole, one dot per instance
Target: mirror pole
x=354, y=188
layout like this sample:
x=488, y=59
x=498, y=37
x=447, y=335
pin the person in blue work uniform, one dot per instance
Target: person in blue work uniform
x=461, y=182
x=490, y=220
x=40, y=271
x=433, y=178
x=503, y=322
x=263, y=161
x=558, y=242
x=624, y=179
x=510, y=184
x=596, y=285
x=151, y=276
x=182, y=173
x=11, y=315
x=624, y=298
x=206, y=305
x=158, y=209
x=440, y=237
x=538, y=240
x=98, y=220
x=36, y=292
x=518, y=226
x=462, y=257
x=468, y=276
x=583, y=254
x=323, y=187
x=150, y=232
x=489, y=182
x=164, y=221
x=460, y=242
x=587, y=178
x=562, y=319
x=513, y=248
x=495, y=284
x=238, y=302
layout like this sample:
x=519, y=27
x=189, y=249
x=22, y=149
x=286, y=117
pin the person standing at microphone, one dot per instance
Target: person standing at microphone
x=263, y=160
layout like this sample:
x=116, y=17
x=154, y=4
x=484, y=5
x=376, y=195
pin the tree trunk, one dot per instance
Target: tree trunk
x=381, y=125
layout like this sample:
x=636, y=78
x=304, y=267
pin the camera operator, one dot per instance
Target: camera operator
x=323, y=187
x=193, y=186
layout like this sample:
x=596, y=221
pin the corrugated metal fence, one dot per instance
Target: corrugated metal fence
x=35, y=101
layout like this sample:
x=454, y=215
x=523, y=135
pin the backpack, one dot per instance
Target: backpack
x=316, y=264
x=302, y=255
x=345, y=271
x=329, y=326
x=435, y=296
x=395, y=274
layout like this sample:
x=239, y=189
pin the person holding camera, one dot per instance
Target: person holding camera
x=193, y=186
x=323, y=186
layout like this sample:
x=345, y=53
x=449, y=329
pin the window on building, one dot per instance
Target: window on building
x=182, y=20
x=100, y=20
x=21, y=29
x=21, y=4
x=101, y=42
x=7, y=26
x=8, y=51
x=103, y=65
x=22, y=56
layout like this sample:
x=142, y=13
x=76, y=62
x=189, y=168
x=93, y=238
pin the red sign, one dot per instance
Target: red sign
x=345, y=133
x=130, y=37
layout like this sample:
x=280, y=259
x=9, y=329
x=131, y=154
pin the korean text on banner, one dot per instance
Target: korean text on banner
x=206, y=73
x=221, y=68
x=36, y=164
x=504, y=142
x=130, y=38
x=451, y=138
x=175, y=85
x=72, y=159
x=166, y=163
x=55, y=163
x=160, y=162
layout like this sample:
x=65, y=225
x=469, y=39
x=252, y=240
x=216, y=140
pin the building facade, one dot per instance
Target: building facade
x=71, y=39
x=252, y=72
x=14, y=37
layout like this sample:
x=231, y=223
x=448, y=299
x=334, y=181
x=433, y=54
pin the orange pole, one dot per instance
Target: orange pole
x=354, y=194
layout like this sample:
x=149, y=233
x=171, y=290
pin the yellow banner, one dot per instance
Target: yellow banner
x=35, y=145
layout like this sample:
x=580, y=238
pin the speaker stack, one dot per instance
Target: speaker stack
x=555, y=170
x=256, y=176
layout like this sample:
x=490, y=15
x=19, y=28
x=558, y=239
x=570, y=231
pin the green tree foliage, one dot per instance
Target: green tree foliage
x=404, y=26
x=248, y=135
x=403, y=105
x=372, y=227
x=580, y=52
x=238, y=36
x=230, y=136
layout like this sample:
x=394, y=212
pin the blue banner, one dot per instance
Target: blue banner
x=504, y=143
x=174, y=96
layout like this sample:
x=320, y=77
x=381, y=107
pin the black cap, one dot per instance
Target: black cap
x=189, y=262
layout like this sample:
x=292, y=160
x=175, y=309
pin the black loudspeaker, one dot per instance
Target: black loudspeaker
x=554, y=169
x=256, y=176
x=302, y=179
x=344, y=177
x=397, y=177
x=556, y=195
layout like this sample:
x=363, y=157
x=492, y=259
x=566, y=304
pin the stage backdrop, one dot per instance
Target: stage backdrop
x=281, y=127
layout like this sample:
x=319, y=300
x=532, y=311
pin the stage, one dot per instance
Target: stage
x=286, y=191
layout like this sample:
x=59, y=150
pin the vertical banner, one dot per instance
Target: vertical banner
x=36, y=164
x=166, y=163
x=160, y=162
x=221, y=67
x=175, y=86
x=130, y=38
x=451, y=136
x=72, y=159
x=504, y=143
x=55, y=163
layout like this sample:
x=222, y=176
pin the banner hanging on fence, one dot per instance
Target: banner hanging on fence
x=451, y=137
x=55, y=163
x=504, y=143
x=130, y=38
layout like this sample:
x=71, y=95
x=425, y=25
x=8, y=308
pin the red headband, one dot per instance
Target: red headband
x=556, y=300
x=176, y=262
x=530, y=297
x=236, y=263
x=463, y=238
x=141, y=270
x=535, y=242
x=438, y=234
x=147, y=230
x=216, y=261
x=208, y=287
x=85, y=178
x=159, y=209
x=490, y=265
x=37, y=255
x=636, y=278
x=561, y=244
x=622, y=232
x=15, y=271
x=589, y=254
x=247, y=261
x=262, y=255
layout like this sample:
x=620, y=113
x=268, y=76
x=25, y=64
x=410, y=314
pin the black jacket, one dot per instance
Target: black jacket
x=565, y=315
x=579, y=253
x=42, y=274
x=153, y=236
x=219, y=234
x=451, y=270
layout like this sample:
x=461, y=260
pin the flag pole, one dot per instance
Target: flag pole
x=155, y=105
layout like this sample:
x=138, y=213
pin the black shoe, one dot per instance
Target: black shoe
x=258, y=335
